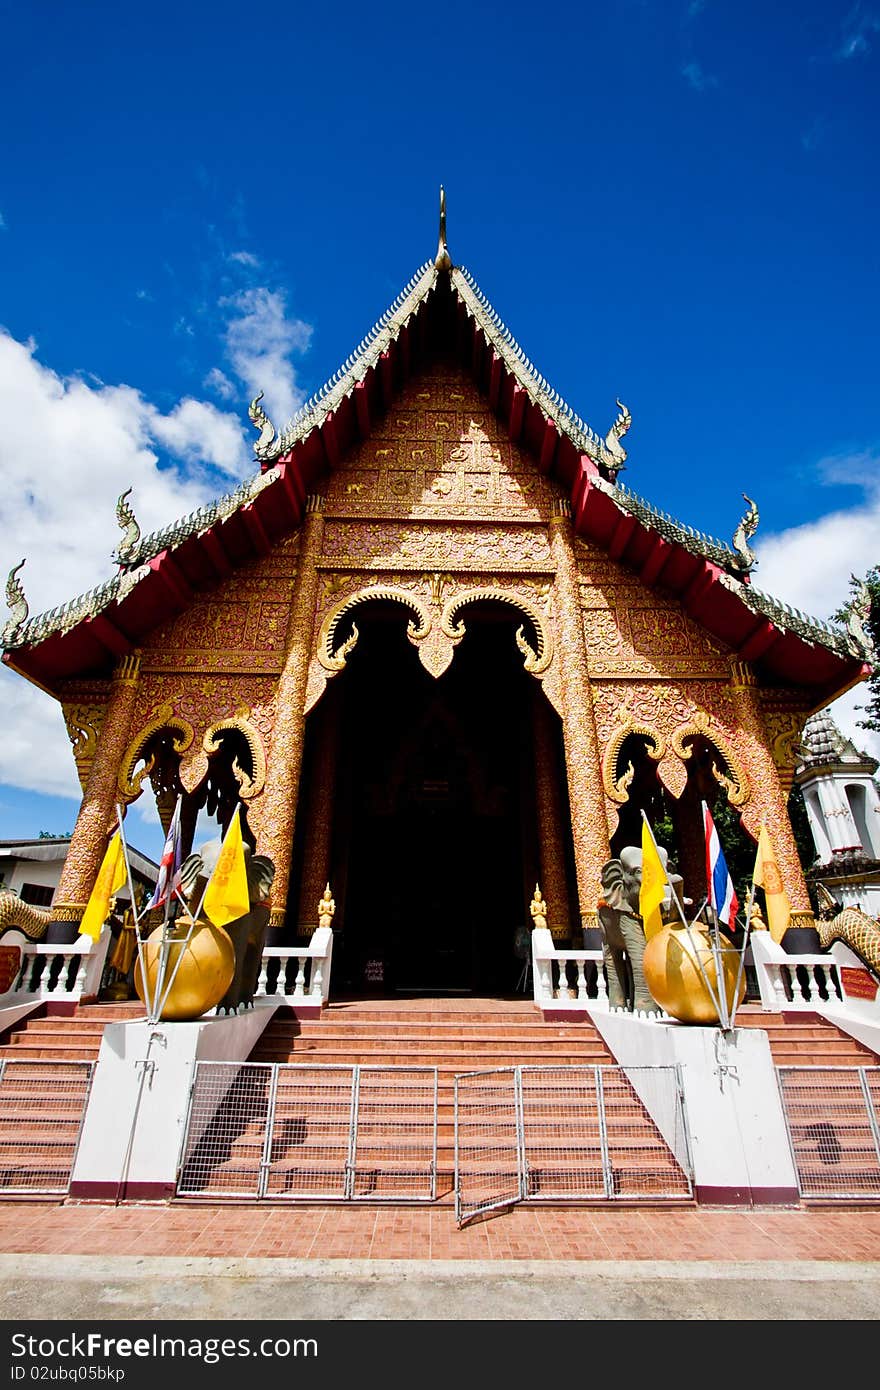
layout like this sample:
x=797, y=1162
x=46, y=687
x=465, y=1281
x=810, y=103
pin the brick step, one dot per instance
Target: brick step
x=436, y=1032
x=28, y=1052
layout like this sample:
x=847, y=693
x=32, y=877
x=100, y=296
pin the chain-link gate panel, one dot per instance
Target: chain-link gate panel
x=42, y=1108
x=648, y=1148
x=226, y=1130
x=395, y=1133
x=488, y=1141
x=833, y=1119
x=564, y=1143
x=311, y=1132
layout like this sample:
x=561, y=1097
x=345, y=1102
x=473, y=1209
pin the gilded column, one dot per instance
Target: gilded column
x=316, y=854
x=97, y=814
x=554, y=888
x=285, y=759
x=768, y=800
x=583, y=766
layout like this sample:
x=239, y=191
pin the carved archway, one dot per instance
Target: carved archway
x=731, y=776
x=535, y=661
x=159, y=745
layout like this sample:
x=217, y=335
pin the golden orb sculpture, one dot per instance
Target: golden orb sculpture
x=203, y=976
x=672, y=974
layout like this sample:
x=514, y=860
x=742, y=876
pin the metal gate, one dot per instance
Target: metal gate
x=42, y=1109
x=569, y=1133
x=832, y=1115
x=295, y=1131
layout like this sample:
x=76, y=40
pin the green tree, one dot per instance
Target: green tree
x=871, y=709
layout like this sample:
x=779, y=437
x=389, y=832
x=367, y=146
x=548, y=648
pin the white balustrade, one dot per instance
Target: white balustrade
x=551, y=976
x=303, y=975
x=788, y=982
x=65, y=971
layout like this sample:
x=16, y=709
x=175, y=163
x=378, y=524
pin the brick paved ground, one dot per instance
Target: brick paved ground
x=343, y=1233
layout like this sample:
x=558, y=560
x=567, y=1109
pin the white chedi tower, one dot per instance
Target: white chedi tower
x=842, y=799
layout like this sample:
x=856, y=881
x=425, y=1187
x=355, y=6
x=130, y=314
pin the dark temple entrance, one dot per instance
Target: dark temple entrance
x=434, y=832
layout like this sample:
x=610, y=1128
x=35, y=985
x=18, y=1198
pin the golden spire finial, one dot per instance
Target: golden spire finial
x=443, y=260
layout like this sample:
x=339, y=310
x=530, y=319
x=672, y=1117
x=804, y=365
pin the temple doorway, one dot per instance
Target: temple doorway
x=433, y=835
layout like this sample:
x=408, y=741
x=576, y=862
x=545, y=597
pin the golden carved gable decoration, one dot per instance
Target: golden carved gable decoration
x=162, y=718
x=84, y=723
x=617, y=785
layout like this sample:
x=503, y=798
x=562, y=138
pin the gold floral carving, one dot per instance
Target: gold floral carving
x=249, y=786
x=536, y=662
x=702, y=725
x=84, y=727
x=163, y=717
x=617, y=785
x=332, y=658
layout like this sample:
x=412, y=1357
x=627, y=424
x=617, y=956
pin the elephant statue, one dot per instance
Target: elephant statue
x=248, y=933
x=623, y=935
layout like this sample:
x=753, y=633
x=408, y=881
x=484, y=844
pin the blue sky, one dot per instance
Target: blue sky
x=674, y=203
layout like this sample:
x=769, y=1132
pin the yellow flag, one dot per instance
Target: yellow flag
x=111, y=876
x=766, y=875
x=652, y=891
x=226, y=896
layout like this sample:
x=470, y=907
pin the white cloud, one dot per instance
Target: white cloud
x=2, y=223
x=809, y=566
x=219, y=383
x=259, y=341
x=246, y=258
x=859, y=30
x=67, y=451
x=700, y=81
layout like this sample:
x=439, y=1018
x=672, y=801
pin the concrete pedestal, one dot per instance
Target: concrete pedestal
x=739, y=1143
x=133, y=1131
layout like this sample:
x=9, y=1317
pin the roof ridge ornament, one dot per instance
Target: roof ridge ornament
x=443, y=260
x=856, y=618
x=613, y=438
x=15, y=602
x=260, y=421
x=745, y=558
x=127, y=549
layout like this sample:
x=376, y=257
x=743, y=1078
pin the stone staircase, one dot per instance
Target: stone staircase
x=824, y=1101
x=463, y=1036
x=47, y=1066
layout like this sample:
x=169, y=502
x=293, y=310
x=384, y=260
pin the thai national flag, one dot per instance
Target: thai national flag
x=169, y=865
x=721, y=894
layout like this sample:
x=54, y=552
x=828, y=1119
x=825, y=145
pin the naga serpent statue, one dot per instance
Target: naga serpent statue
x=745, y=556
x=851, y=926
x=33, y=921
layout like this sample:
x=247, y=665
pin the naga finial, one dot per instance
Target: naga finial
x=746, y=559
x=261, y=422
x=859, y=611
x=443, y=260
x=614, y=436
x=15, y=602
x=126, y=550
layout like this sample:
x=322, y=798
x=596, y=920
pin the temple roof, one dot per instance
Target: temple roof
x=443, y=308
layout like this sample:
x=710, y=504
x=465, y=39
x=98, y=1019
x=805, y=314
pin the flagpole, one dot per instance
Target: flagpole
x=742, y=957
x=165, y=945
x=183, y=947
x=723, y=1011
x=687, y=926
x=134, y=913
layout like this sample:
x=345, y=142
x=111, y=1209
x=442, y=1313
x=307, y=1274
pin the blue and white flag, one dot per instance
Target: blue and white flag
x=719, y=885
x=169, y=865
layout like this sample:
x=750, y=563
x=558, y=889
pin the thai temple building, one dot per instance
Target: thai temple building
x=434, y=652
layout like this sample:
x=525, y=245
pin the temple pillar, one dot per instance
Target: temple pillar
x=768, y=800
x=548, y=796
x=316, y=852
x=97, y=814
x=586, y=797
x=281, y=790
